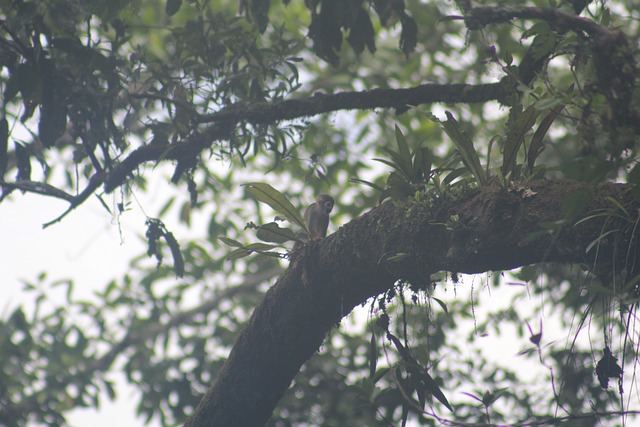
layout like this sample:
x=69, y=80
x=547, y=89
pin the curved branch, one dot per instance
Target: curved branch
x=479, y=17
x=51, y=191
x=496, y=230
x=94, y=182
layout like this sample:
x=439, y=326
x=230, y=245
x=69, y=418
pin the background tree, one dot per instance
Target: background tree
x=507, y=136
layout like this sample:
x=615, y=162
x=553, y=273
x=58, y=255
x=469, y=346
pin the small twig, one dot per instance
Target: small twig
x=94, y=182
x=39, y=188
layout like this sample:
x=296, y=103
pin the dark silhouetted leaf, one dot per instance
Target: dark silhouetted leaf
x=4, y=146
x=607, y=367
x=399, y=346
x=172, y=7
x=259, y=11
x=434, y=389
x=272, y=232
x=361, y=33
x=325, y=32
x=373, y=356
x=178, y=261
x=23, y=163
x=409, y=34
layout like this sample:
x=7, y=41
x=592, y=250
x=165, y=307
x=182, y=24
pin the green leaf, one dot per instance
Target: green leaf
x=598, y=239
x=238, y=253
x=401, y=165
x=456, y=173
x=380, y=374
x=165, y=208
x=404, y=153
x=397, y=257
x=422, y=161
x=547, y=103
x=367, y=183
x=465, y=148
x=519, y=123
x=230, y=242
x=397, y=188
x=490, y=397
x=536, y=146
x=249, y=249
x=422, y=396
x=272, y=232
x=111, y=392
x=4, y=139
x=389, y=163
x=267, y=194
x=259, y=247
x=619, y=206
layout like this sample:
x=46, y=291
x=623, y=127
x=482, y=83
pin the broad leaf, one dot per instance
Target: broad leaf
x=465, y=147
x=267, y=194
x=272, y=232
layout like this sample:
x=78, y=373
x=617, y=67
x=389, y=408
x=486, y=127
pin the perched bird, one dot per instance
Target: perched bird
x=317, y=216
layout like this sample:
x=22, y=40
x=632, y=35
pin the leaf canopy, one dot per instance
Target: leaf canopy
x=108, y=99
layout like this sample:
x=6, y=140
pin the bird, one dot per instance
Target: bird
x=317, y=216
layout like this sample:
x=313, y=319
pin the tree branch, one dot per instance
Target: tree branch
x=224, y=121
x=613, y=54
x=36, y=187
x=182, y=151
x=495, y=230
x=399, y=99
x=479, y=17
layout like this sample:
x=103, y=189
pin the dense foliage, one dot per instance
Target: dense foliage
x=411, y=104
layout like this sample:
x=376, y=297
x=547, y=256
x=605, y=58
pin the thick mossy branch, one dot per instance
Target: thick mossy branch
x=400, y=99
x=484, y=229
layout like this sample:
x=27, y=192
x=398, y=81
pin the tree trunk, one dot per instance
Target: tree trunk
x=483, y=229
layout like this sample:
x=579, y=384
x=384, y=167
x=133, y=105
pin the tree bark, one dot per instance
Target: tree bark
x=483, y=229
